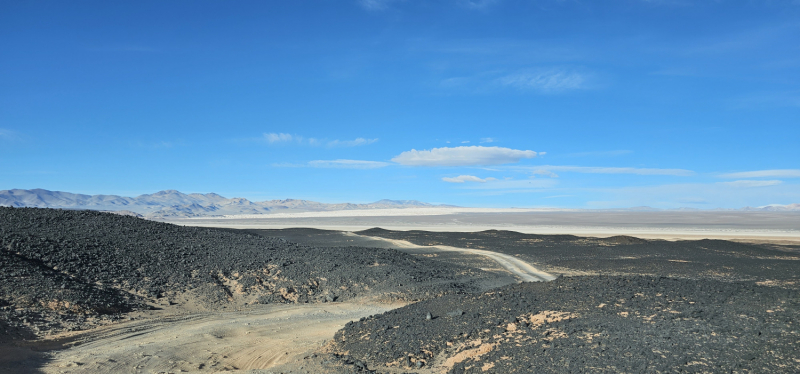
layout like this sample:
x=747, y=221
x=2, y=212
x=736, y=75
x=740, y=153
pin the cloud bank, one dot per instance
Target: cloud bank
x=467, y=178
x=462, y=156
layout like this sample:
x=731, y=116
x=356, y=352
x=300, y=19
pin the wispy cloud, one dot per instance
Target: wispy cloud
x=467, y=178
x=351, y=143
x=6, y=134
x=488, y=140
x=375, y=4
x=122, y=48
x=542, y=172
x=614, y=170
x=478, y=4
x=462, y=156
x=774, y=173
x=518, y=185
x=277, y=138
x=546, y=80
x=767, y=100
x=751, y=183
x=618, y=152
x=158, y=144
x=336, y=164
x=347, y=164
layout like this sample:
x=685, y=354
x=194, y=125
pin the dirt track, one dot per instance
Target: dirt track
x=258, y=338
x=521, y=269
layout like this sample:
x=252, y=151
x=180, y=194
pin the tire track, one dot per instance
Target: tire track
x=523, y=270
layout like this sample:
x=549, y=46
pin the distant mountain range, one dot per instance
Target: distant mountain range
x=775, y=208
x=174, y=204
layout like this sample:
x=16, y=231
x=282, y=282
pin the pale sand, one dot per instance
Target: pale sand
x=668, y=225
x=262, y=337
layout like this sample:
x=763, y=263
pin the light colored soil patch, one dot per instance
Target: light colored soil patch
x=548, y=316
x=469, y=354
x=259, y=338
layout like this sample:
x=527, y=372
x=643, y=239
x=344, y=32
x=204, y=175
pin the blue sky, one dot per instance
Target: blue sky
x=504, y=103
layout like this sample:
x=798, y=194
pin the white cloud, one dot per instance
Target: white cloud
x=751, y=183
x=776, y=173
x=488, y=140
x=462, y=156
x=546, y=173
x=546, y=80
x=351, y=143
x=464, y=141
x=467, y=178
x=278, y=137
x=347, y=164
x=617, y=170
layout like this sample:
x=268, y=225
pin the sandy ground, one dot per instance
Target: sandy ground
x=669, y=225
x=244, y=341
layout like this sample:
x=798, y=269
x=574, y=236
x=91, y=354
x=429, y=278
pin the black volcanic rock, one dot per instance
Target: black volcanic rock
x=88, y=262
x=717, y=259
x=588, y=324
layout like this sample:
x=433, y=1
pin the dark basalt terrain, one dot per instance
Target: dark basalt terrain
x=625, y=255
x=586, y=324
x=706, y=306
x=70, y=270
x=625, y=304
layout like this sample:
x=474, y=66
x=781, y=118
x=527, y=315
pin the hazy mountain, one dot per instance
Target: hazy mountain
x=172, y=203
x=776, y=208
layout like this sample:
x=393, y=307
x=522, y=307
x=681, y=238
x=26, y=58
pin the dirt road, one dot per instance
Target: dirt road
x=523, y=270
x=259, y=338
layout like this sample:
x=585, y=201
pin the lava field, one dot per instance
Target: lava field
x=594, y=324
x=69, y=270
x=625, y=255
